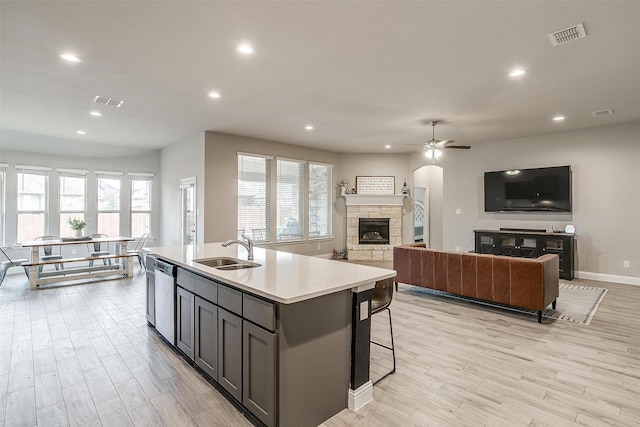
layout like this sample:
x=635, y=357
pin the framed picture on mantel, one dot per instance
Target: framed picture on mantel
x=376, y=184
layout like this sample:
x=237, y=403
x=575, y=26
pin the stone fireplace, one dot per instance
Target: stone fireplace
x=381, y=215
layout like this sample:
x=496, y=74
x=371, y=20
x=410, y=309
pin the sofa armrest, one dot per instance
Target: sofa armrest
x=551, y=268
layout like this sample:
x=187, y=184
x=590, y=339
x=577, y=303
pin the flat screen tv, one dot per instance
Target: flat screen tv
x=528, y=190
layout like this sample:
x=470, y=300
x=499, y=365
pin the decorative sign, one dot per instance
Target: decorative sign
x=375, y=184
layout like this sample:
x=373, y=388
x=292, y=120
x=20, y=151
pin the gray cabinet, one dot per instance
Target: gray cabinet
x=230, y=352
x=231, y=336
x=185, y=321
x=259, y=372
x=206, y=336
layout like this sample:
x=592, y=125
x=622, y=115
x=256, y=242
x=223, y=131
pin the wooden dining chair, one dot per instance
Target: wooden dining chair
x=8, y=263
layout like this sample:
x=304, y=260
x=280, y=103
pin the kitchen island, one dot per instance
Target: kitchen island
x=288, y=340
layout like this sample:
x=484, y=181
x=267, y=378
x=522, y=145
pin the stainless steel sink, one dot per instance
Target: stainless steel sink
x=225, y=263
x=238, y=266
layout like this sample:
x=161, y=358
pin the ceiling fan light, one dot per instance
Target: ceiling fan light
x=432, y=153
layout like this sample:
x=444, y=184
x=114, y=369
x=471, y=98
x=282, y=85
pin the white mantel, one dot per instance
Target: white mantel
x=374, y=199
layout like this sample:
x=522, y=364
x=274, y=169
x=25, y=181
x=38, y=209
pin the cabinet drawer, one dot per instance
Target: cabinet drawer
x=259, y=311
x=230, y=298
x=205, y=288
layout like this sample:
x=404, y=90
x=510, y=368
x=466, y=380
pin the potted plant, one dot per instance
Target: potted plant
x=77, y=225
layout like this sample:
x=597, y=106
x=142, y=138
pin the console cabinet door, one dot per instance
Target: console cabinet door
x=259, y=372
x=184, y=318
x=230, y=352
x=206, y=336
x=151, y=298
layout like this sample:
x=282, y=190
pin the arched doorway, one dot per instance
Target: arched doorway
x=427, y=199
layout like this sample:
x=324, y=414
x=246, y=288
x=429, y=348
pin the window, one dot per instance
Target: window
x=320, y=198
x=141, y=186
x=72, y=199
x=108, y=204
x=290, y=199
x=253, y=197
x=32, y=203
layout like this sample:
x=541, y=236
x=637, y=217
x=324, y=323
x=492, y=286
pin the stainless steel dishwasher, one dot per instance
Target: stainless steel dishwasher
x=165, y=300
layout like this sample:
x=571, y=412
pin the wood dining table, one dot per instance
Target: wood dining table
x=120, y=262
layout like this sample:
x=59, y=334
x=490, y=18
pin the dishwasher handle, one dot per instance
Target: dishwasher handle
x=165, y=268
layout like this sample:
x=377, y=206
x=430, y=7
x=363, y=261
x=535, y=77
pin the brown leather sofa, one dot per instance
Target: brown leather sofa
x=520, y=282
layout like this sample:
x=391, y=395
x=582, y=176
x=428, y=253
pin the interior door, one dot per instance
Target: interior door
x=188, y=207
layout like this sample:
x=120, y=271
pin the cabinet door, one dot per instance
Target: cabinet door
x=206, y=336
x=561, y=246
x=230, y=352
x=184, y=318
x=508, y=245
x=259, y=372
x=487, y=243
x=528, y=246
x=151, y=298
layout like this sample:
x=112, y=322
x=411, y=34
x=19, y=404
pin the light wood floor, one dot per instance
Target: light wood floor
x=83, y=355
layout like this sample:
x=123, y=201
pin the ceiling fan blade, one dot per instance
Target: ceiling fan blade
x=417, y=145
x=441, y=144
x=459, y=147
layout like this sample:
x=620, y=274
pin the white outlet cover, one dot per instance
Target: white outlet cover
x=458, y=211
x=364, y=310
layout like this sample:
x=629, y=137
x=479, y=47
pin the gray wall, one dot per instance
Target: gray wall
x=605, y=164
x=183, y=159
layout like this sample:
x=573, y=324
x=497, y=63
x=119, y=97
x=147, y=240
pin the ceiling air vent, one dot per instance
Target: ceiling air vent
x=568, y=34
x=602, y=112
x=105, y=100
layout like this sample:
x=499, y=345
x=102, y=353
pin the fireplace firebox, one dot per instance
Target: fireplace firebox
x=373, y=231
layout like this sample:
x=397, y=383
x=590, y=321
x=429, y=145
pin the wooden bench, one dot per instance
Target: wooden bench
x=37, y=278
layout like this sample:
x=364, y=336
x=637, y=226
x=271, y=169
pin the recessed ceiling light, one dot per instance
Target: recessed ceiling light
x=558, y=118
x=309, y=127
x=214, y=94
x=69, y=57
x=245, y=49
x=95, y=113
x=81, y=132
x=387, y=146
x=517, y=72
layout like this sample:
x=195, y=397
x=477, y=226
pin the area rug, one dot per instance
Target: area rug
x=576, y=303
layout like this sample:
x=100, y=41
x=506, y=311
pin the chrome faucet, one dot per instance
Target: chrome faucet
x=248, y=245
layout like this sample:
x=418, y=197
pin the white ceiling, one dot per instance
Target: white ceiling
x=365, y=74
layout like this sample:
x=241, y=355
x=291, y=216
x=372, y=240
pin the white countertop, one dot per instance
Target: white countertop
x=282, y=277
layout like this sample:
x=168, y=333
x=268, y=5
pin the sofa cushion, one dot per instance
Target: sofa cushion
x=469, y=275
x=501, y=280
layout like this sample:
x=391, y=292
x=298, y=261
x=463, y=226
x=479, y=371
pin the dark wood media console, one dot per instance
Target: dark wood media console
x=528, y=244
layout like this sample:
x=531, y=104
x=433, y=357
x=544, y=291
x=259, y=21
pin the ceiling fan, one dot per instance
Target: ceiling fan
x=433, y=147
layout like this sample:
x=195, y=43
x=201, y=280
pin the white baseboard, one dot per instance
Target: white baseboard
x=360, y=397
x=625, y=280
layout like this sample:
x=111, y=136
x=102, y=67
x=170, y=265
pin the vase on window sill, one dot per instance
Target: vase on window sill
x=77, y=233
